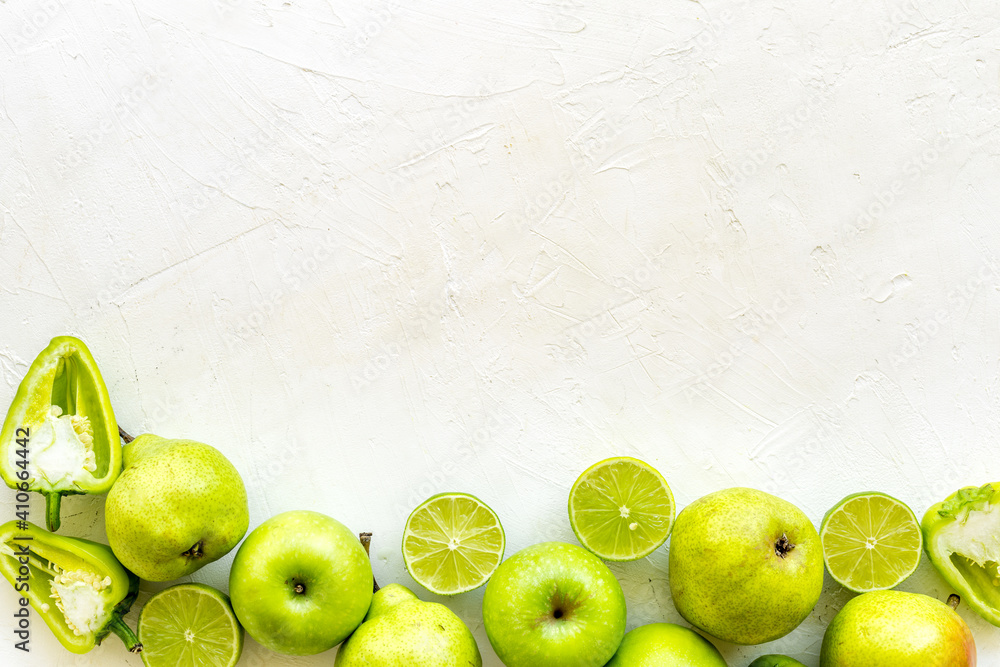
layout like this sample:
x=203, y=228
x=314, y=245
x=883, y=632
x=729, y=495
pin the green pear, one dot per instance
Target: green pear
x=400, y=630
x=775, y=660
x=745, y=566
x=177, y=506
x=897, y=629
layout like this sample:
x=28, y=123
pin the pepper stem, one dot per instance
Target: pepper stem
x=366, y=542
x=125, y=633
x=52, y=504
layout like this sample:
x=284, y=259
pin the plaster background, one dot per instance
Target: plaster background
x=374, y=251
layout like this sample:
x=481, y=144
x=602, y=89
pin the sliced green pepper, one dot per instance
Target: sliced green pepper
x=962, y=538
x=60, y=436
x=76, y=586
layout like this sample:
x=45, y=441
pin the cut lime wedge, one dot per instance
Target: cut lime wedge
x=621, y=509
x=189, y=625
x=452, y=543
x=871, y=542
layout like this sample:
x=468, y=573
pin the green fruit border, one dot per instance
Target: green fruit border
x=953, y=509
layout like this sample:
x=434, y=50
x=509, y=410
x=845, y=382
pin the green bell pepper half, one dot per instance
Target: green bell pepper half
x=77, y=586
x=962, y=538
x=60, y=436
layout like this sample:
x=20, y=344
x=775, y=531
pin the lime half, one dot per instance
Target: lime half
x=621, y=509
x=871, y=542
x=452, y=543
x=189, y=625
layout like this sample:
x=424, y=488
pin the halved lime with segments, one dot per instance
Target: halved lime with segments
x=621, y=509
x=190, y=625
x=452, y=543
x=871, y=542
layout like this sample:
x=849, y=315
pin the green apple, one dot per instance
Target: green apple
x=402, y=631
x=774, y=660
x=745, y=567
x=177, y=506
x=301, y=583
x=896, y=629
x=554, y=604
x=660, y=644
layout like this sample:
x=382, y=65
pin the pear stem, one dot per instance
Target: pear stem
x=125, y=436
x=783, y=546
x=366, y=542
x=125, y=633
x=195, y=551
x=954, y=601
x=53, y=502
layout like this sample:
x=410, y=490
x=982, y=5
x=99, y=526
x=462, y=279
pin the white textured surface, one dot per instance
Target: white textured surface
x=377, y=250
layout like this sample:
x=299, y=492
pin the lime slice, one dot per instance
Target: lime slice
x=871, y=542
x=189, y=625
x=452, y=543
x=621, y=509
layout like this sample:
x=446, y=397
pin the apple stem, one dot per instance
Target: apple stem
x=125, y=436
x=954, y=601
x=366, y=542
